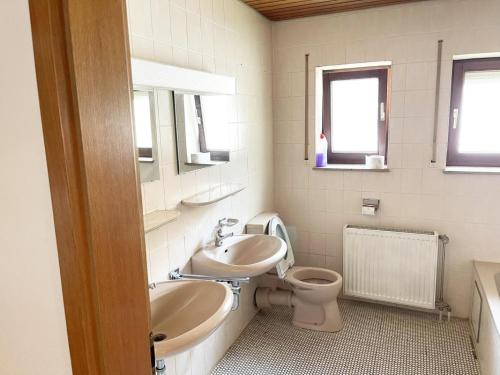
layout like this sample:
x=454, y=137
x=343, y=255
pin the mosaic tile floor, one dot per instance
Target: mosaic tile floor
x=376, y=340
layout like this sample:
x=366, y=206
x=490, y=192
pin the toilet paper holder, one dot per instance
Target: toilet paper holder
x=370, y=206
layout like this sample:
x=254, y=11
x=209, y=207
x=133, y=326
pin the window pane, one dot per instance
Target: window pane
x=479, y=122
x=354, y=115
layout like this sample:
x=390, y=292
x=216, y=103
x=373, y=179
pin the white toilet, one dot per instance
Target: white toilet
x=311, y=291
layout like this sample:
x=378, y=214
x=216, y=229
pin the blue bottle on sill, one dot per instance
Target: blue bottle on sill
x=321, y=151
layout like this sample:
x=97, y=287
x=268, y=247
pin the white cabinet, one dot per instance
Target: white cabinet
x=485, y=335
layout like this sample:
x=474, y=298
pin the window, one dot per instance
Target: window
x=354, y=114
x=474, y=135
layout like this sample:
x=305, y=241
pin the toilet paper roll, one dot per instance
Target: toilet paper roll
x=367, y=210
x=374, y=161
x=200, y=157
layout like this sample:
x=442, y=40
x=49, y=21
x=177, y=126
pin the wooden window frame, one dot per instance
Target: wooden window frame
x=383, y=74
x=455, y=158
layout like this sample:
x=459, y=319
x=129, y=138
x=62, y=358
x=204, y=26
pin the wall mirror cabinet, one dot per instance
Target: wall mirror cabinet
x=203, y=107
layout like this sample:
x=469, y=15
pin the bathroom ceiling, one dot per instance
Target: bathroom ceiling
x=277, y=10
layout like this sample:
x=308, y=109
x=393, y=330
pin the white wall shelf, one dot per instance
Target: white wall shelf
x=213, y=195
x=156, y=219
x=214, y=162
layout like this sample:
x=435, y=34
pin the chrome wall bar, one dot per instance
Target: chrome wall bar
x=436, y=100
x=306, y=116
x=234, y=283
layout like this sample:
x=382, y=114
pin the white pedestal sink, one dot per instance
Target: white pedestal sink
x=181, y=311
x=240, y=256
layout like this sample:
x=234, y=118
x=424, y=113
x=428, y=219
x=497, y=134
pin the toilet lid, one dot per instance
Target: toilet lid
x=278, y=229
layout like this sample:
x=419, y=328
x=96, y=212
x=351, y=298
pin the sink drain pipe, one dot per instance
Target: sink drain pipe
x=236, y=289
x=160, y=368
x=158, y=365
x=267, y=297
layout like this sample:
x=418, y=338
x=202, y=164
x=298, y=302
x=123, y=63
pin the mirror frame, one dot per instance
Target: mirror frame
x=149, y=168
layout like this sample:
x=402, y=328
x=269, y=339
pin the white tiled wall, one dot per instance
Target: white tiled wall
x=225, y=37
x=413, y=194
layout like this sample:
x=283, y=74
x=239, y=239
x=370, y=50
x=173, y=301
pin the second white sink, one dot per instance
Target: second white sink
x=240, y=256
x=181, y=311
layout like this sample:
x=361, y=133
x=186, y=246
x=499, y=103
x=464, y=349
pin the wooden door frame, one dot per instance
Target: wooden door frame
x=82, y=63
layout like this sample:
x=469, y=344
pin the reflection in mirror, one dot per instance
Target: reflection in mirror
x=202, y=129
x=146, y=134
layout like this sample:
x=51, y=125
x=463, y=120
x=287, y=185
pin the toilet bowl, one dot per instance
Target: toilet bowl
x=311, y=291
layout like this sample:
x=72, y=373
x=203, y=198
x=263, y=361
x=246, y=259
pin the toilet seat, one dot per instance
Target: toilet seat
x=278, y=229
x=312, y=277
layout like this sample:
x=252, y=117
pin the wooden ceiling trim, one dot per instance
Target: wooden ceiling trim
x=320, y=11
x=262, y=4
x=283, y=3
x=328, y=8
x=304, y=6
x=278, y=10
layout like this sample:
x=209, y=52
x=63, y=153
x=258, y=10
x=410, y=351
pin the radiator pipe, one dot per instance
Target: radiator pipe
x=440, y=304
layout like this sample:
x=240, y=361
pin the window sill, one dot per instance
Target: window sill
x=351, y=167
x=476, y=170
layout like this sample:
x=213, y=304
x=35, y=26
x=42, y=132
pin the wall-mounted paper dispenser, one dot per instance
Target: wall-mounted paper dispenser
x=370, y=206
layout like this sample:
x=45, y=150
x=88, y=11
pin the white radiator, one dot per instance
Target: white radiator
x=390, y=265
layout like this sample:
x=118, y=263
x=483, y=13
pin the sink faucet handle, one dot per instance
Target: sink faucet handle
x=232, y=222
x=175, y=274
x=228, y=222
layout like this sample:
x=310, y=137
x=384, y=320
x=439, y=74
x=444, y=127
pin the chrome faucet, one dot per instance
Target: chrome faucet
x=219, y=237
x=233, y=282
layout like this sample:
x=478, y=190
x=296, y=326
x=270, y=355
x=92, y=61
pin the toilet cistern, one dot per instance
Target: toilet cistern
x=219, y=237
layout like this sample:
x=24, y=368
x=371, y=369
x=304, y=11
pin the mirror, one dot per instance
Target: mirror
x=203, y=130
x=145, y=130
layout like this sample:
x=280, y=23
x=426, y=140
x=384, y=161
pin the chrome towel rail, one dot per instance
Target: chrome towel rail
x=306, y=116
x=436, y=100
